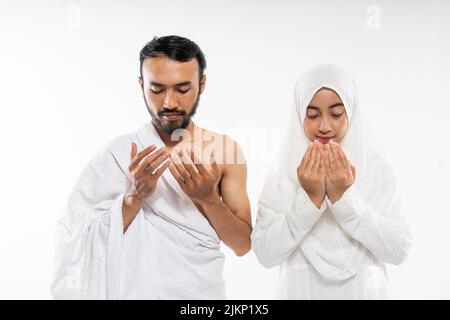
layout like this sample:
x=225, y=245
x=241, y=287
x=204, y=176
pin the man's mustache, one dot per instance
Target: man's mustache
x=171, y=111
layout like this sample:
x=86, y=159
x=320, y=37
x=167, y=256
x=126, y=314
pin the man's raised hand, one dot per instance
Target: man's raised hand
x=144, y=174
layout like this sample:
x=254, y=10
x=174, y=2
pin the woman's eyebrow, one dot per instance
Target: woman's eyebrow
x=338, y=104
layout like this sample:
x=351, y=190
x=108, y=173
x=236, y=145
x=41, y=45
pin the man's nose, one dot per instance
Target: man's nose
x=170, y=100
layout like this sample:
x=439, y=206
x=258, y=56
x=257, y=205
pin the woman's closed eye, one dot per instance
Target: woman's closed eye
x=334, y=115
x=310, y=116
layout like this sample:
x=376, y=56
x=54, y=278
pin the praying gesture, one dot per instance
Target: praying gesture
x=144, y=172
x=325, y=170
x=311, y=173
x=195, y=179
x=145, y=169
x=340, y=173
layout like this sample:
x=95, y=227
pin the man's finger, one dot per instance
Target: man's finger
x=156, y=163
x=133, y=151
x=176, y=174
x=178, y=164
x=188, y=164
x=198, y=163
x=214, y=165
x=140, y=155
x=161, y=169
x=148, y=159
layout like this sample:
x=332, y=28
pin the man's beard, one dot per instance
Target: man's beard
x=170, y=126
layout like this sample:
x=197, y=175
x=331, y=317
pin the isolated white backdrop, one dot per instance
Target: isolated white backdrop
x=68, y=85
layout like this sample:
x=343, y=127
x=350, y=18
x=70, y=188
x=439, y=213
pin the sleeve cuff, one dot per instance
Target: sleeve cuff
x=306, y=208
x=114, y=247
x=114, y=217
x=348, y=207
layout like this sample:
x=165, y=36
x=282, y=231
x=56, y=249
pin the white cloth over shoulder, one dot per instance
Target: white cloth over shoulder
x=336, y=251
x=170, y=251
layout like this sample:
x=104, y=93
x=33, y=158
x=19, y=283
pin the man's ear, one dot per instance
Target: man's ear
x=141, y=82
x=202, y=83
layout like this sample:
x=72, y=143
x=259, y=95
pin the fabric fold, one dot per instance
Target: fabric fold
x=168, y=239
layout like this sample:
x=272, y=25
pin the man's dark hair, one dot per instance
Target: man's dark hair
x=176, y=48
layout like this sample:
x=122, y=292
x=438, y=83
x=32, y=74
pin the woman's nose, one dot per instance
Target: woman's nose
x=324, y=126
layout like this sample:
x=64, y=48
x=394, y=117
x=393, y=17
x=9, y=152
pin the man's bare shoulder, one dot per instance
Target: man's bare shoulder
x=227, y=151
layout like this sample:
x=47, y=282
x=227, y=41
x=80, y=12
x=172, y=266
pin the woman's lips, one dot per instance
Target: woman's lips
x=324, y=140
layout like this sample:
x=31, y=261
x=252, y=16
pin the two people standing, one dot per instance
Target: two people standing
x=148, y=224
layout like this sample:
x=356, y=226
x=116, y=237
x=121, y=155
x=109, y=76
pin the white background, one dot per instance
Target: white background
x=68, y=85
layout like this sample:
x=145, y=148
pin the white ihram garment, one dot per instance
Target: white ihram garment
x=170, y=251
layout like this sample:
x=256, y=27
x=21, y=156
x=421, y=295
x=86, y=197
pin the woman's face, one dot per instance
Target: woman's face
x=325, y=117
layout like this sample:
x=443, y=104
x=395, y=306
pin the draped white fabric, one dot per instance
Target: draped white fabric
x=337, y=251
x=170, y=251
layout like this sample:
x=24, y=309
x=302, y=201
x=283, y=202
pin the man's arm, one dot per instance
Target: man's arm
x=227, y=212
x=230, y=216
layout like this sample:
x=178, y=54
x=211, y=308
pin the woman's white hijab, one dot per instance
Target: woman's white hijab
x=375, y=181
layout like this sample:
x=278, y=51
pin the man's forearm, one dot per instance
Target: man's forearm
x=130, y=208
x=232, y=230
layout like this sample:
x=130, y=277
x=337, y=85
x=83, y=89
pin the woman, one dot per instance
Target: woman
x=331, y=215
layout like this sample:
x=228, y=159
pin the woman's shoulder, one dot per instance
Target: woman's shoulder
x=381, y=171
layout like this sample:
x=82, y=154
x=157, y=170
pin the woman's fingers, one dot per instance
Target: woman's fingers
x=353, y=170
x=316, y=164
x=327, y=161
x=322, y=163
x=312, y=158
x=304, y=161
x=341, y=157
x=334, y=157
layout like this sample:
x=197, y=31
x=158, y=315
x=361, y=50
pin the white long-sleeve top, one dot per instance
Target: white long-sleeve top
x=339, y=250
x=336, y=251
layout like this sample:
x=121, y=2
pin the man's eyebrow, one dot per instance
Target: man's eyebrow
x=184, y=83
x=339, y=104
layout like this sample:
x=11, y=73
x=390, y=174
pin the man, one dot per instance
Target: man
x=148, y=224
